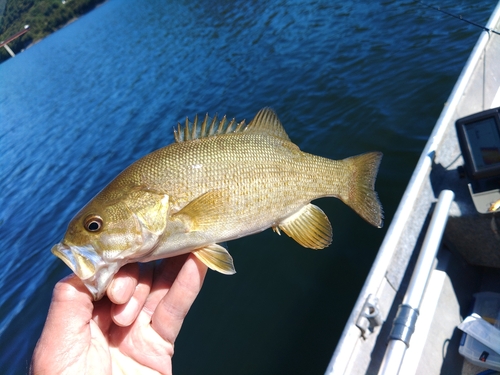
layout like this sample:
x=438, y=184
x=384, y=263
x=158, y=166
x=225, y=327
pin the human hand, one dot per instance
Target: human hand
x=131, y=332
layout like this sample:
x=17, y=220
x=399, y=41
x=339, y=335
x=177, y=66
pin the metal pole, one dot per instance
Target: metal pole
x=9, y=50
x=404, y=323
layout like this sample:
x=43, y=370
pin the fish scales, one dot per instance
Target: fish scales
x=249, y=166
x=209, y=188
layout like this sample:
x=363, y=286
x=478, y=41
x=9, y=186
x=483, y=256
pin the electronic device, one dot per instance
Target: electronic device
x=479, y=139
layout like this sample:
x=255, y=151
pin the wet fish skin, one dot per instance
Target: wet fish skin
x=220, y=181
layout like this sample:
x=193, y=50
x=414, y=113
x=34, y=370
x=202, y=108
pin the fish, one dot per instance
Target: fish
x=220, y=180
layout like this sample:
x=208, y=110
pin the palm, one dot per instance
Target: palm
x=112, y=349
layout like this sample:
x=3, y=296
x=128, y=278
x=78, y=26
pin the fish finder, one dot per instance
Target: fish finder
x=479, y=140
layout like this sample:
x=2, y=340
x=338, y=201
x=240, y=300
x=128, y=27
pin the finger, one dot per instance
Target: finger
x=123, y=285
x=125, y=314
x=172, y=309
x=142, y=344
x=164, y=276
x=156, y=352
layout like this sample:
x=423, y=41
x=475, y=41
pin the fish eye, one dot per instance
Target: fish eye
x=93, y=223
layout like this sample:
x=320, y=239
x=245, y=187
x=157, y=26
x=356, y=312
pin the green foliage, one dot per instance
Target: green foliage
x=43, y=17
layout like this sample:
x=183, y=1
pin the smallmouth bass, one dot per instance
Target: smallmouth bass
x=219, y=181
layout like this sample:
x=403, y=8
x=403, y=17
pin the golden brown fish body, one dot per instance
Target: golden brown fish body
x=218, y=182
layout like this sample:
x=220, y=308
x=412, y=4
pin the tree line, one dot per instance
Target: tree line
x=43, y=17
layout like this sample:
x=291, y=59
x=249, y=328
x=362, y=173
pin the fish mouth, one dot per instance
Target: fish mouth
x=95, y=273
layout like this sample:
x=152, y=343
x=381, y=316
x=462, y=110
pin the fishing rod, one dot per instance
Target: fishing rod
x=459, y=17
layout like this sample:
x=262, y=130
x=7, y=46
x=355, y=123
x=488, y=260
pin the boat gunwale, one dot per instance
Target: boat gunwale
x=351, y=333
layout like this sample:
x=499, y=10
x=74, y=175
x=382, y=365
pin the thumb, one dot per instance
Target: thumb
x=67, y=330
x=71, y=307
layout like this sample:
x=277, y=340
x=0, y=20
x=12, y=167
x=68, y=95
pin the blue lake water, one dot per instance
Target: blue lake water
x=344, y=77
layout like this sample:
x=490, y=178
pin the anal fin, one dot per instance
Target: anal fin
x=216, y=258
x=310, y=227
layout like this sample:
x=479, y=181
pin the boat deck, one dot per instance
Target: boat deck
x=448, y=299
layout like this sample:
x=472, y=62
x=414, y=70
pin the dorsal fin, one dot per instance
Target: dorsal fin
x=209, y=127
x=265, y=122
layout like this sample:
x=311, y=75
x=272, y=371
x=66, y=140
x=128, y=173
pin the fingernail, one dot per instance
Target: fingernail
x=118, y=291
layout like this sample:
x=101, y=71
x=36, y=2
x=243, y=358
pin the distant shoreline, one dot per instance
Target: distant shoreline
x=64, y=25
x=29, y=21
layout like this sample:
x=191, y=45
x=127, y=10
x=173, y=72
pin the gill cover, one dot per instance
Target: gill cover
x=150, y=209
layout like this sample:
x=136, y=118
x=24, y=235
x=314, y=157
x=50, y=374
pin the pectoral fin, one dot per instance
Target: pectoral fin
x=216, y=258
x=205, y=211
x=309, y=227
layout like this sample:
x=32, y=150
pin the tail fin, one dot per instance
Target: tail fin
x=361, y=196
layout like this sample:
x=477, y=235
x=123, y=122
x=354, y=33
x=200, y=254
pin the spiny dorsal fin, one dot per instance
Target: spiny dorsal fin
x=209, y=127
x=266, y=121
